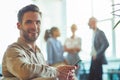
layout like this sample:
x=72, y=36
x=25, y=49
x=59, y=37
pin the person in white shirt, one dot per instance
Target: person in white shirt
x=72, y=46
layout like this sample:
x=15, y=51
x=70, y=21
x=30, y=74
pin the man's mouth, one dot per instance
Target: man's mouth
x=33, y=32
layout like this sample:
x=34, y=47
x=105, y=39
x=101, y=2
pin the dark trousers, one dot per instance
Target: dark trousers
x=95, y=71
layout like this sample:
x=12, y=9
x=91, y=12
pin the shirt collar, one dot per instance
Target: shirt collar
x=25, y=45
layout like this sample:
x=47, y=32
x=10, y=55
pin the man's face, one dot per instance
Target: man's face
x=92, y=23
x=30, y=26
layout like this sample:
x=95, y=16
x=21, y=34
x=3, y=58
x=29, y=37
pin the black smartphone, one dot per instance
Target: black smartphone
x=77, y=62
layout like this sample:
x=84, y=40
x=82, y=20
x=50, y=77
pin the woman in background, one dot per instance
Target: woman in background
x=73, y=47
x=55, y=49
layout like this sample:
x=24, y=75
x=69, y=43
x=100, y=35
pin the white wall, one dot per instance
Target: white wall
x=8, y=20
x=53, y=15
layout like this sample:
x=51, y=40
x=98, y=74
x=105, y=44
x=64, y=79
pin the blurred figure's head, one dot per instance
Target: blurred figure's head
x=73, y=28
x=55, y=32
x=92, y=23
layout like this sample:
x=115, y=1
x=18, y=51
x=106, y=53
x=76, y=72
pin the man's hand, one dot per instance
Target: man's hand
x=66, y=72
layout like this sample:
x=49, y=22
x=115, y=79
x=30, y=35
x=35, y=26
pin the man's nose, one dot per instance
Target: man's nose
x=34, y=25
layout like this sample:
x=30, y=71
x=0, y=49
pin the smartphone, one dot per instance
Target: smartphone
x=76, y=64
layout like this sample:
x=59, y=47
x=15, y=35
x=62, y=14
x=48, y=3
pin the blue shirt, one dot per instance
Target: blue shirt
x=54, y=51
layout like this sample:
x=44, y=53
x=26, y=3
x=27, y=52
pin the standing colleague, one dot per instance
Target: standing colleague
x=99, y=46
x=23, y=59
x=73, y=47
x=55, y=49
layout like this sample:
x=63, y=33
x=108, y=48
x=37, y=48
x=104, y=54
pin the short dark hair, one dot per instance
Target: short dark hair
x=27, y=8
x=47, y=34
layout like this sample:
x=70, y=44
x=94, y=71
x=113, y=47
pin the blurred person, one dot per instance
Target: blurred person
x=72, y=46
x=55, y=49
x=23, y=59
x=99, y=46
x=47, y=34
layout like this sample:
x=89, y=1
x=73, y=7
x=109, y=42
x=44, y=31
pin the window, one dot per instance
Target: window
x=8, y=20
x=79, y=12
x=116, y=8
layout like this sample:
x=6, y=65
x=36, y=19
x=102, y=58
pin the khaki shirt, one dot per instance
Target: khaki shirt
x=20, y=62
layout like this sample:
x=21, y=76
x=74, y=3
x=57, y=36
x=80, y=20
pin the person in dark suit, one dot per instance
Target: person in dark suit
x=100, y=44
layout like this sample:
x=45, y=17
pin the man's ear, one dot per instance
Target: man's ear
x=18, y=25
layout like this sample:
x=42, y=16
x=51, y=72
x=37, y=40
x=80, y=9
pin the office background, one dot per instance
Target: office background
x=64, y=13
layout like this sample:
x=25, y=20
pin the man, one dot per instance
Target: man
x=23, y=60
x=100, y=44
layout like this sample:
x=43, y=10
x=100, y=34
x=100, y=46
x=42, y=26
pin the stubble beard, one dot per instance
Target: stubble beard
x=28, y=38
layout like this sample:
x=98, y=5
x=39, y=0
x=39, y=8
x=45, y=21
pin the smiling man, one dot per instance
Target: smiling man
x=23, y=59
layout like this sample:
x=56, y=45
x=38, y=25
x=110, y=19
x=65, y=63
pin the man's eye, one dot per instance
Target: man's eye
x=28, y=22
x=38, y=22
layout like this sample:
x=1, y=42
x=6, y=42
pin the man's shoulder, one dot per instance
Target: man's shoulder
x=15, y=44
x=100, y=32
x=12, y=50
